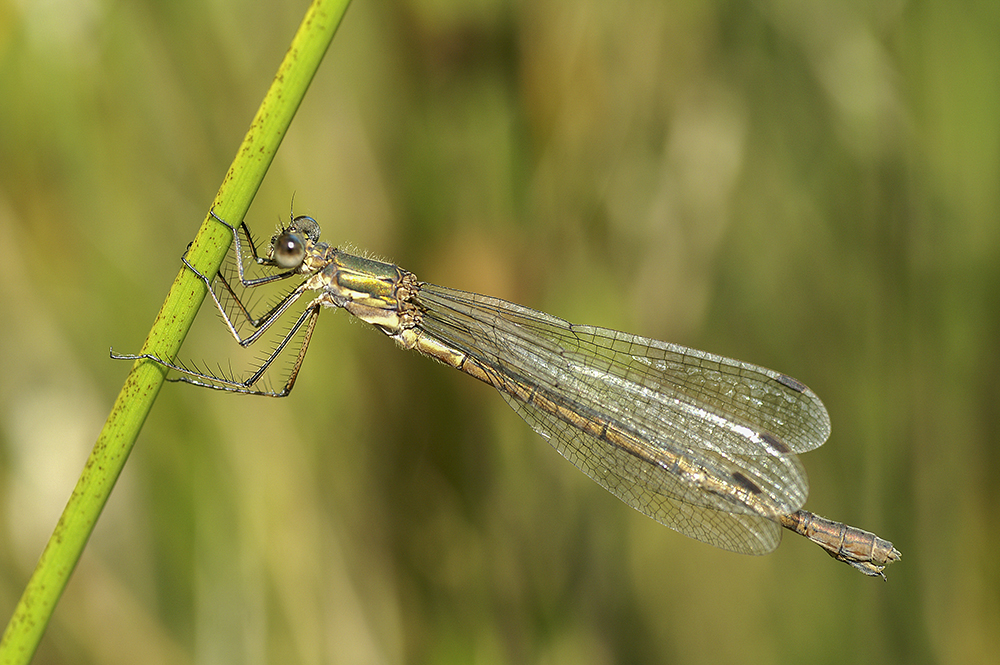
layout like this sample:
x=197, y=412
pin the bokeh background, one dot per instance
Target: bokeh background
x=809, y=186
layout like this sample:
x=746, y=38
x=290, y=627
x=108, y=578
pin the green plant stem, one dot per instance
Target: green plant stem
x=56, y=564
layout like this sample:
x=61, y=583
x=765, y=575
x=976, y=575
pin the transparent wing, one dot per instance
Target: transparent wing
x=661, y=495
x=735, y=424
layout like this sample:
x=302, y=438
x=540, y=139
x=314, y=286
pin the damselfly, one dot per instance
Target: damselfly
x=703, y=444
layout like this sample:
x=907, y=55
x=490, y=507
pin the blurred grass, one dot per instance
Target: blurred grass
x=812, y=188
x=204, y=256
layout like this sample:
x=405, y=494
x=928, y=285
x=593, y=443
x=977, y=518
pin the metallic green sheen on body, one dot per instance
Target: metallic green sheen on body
x=360, y=276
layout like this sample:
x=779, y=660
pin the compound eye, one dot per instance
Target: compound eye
x=288, y=251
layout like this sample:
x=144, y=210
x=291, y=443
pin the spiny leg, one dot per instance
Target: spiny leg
x=261, y=324
x=246, y=386
x=268, y=317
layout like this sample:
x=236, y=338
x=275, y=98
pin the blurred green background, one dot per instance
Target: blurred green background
x=808, y=186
